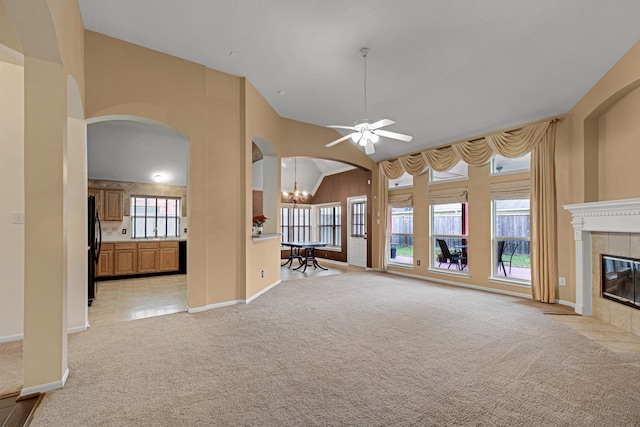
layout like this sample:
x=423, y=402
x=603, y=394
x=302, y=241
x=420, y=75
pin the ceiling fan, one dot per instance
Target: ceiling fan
x=365, y=133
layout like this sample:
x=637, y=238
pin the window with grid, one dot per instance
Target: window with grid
x=358, y=217
x=295, y=224
x=155, y=217
x=330, y=225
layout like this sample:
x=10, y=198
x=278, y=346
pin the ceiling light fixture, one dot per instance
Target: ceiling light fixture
x=158, y=178
x=295, y=197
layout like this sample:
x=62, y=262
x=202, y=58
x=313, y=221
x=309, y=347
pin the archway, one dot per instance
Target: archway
x=143, y=251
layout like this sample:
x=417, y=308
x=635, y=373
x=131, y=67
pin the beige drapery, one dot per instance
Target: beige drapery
x=544, y=255
x=383, y=184
x=539, y=139
x=475, y=153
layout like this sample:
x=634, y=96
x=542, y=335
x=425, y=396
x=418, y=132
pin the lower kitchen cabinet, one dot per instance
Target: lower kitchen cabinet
x=169, y=256
x=148, y=257
x=105, y=261
x=125, y=259
x=138, y=258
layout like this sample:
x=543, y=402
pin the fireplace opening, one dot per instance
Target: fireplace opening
x=621, y=279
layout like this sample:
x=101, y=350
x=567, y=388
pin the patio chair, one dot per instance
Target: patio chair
x=506, y=250
x=447, y=256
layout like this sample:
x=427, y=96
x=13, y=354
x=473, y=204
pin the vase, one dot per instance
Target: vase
x=257, y=230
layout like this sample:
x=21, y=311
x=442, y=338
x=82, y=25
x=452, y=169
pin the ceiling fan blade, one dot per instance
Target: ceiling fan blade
x=368, y=149
x=331, y=144
x=394, y=135
x=342, y=127
x=381, y=123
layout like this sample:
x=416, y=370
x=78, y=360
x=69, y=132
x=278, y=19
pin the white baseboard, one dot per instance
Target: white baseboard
x=192, y=310
x=46, y=387
x=20, y=337
x=263, y=291
x=9, y=338
x=462, y=285
x=78, y=328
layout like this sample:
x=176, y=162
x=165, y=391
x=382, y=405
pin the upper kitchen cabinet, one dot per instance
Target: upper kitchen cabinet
x=110, y=203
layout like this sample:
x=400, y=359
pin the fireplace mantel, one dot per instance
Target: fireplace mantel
x=613, y=216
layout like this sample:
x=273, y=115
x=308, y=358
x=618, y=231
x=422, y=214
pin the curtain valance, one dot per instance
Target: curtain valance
x=447, y=195
x=475, y=153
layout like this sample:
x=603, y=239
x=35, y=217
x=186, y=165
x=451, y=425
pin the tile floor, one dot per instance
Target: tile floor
x=130, y=299
x=604, y=334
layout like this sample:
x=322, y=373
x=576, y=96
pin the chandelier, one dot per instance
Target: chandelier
x=297, y=196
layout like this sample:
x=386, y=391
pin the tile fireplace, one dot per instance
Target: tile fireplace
x=610, y=228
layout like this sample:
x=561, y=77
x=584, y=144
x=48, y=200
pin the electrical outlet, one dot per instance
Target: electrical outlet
x=124, y=231
x=563, y=281
x=418, y=262
x=261, y=273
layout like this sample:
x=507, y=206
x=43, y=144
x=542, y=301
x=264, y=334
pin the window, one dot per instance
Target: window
x=406, y=180
x=330, y=225
x=155, y=217
x=295, y=223
x=457, y=172
x=511, y=239
x=358, y=219
x=501, y=164
x=449, y=233
x=400, y=235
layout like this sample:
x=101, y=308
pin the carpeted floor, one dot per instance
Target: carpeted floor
x=356, y=349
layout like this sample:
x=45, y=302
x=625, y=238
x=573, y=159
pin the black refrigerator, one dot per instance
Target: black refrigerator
x=94, y=243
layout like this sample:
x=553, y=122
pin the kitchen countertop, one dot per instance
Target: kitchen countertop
x=143, y=240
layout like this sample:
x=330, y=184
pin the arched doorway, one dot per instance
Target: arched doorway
x=142, y=165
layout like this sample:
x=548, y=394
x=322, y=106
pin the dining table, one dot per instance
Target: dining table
x=304, y=252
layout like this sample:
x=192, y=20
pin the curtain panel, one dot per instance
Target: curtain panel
x=544, y=253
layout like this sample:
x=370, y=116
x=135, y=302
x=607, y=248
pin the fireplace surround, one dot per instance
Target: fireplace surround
x=608, y=227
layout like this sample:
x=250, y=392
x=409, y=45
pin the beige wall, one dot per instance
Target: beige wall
x=12, y=196
x=618, y=157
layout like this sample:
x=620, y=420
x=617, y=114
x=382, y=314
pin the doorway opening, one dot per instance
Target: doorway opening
x=138, y=179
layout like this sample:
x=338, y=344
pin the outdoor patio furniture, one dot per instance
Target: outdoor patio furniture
x=506, y=250
x=448, y=256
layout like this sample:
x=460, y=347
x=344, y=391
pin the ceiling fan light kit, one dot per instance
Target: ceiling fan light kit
x=365, y=133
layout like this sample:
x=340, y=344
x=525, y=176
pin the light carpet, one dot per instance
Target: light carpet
x=356, y=349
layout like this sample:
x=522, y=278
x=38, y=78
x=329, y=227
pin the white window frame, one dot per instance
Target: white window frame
x=316, y=224
x=156, y=234
x=507, y=160
x=389, y=236
x=433, y=264
x=285, y=238
x=494, y=246
x=432, y=180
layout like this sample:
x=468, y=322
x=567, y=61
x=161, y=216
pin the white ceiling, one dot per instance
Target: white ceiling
x=442, y=70
x=124, y=150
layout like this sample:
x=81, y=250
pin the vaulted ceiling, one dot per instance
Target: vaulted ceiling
x=442, y=70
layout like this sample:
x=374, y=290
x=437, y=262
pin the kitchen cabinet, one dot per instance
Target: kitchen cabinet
x=169, y=256
x=125, y=259
x=148, y=257
x=140, y=258
x=110, y=203
x=105, y=261
x=99, y=195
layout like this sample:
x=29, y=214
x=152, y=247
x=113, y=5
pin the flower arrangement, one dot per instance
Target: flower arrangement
x=259, y=220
